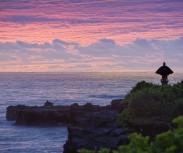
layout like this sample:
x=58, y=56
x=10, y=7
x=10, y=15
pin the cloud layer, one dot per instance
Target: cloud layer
x=103, y=55
x=85, y=35
x=87, y=21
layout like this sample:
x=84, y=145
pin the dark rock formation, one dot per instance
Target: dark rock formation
x=85, y=115
x=12, y=112
x=44, y=115
x=118, y=104
x=95, y=138
x=48, y=104
x=89, y=126
x=150, y=127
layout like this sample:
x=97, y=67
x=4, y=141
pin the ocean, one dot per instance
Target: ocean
x=61, y=89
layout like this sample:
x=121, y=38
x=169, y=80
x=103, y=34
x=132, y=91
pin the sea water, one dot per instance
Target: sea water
x=61, y=89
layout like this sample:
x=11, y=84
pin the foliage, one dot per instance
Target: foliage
x=124, y=118
x=103, y=150
x=86, y=151
x=167, y=142
x=147, y=100
x=178, y=121
x=138, y=144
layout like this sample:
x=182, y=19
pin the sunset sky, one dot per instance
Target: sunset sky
x=90, y=35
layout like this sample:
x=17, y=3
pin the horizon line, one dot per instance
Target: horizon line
x=143, y=71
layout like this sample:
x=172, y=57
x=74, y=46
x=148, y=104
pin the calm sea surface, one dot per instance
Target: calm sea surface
x=62, y=89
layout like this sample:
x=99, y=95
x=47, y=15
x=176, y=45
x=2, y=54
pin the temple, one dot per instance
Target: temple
x=164, y=71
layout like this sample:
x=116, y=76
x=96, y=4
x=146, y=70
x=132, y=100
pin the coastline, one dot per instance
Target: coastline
x=89, y=126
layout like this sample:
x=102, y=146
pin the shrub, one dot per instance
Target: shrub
x=86, y=151
x=147, y=100
x=124, y=118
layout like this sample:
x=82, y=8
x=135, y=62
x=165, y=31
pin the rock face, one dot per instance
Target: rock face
x=98, y=130
x=12, y=112
x=48, y=104
x=89, y=126
x=85, y=115
x=95, y=138
x=44, y=115
x=150, y=127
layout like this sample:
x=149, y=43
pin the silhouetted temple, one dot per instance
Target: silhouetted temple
x=164, y=71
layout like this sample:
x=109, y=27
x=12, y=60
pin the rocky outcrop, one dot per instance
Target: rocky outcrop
x=44, y=115
x=12, y=112
x=95, y=138
x=89, y=126
x=150, y=127
x=48, y=104
x=85, y=115
x=97, y=129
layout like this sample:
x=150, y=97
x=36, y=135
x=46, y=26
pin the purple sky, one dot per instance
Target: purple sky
x=85, y=35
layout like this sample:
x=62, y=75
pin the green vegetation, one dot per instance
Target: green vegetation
x=148, y=101
x=167, y=142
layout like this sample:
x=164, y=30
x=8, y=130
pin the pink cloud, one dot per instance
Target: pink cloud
x=86, y=22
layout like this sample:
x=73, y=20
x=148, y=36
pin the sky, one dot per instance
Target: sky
x=90, y=35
